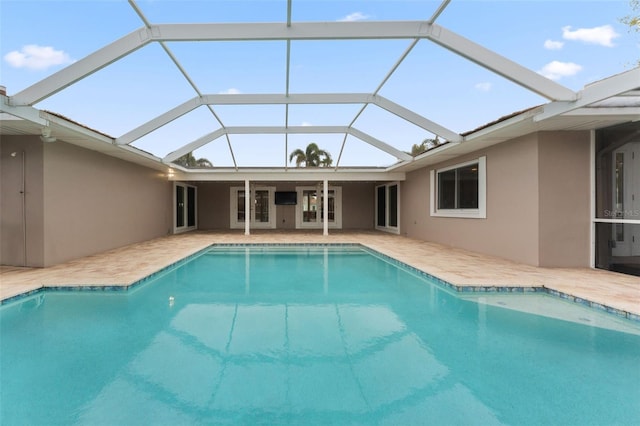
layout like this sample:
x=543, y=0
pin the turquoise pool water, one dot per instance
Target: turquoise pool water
x=314, y=335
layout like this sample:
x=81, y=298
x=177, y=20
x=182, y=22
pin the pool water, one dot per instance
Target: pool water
x=309, y=335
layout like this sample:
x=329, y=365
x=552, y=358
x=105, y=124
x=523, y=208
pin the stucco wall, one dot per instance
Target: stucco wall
x=94, y=203
x=538, y=202
x=16, y=225
x=564, y=199
x=213, y=205
x=511, y=227
x=357, y=205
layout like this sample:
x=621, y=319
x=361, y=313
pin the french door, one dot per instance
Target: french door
x=310, y=207
x=262, y=212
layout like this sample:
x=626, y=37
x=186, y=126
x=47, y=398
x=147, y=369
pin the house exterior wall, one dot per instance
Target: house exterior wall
x=213, y=205
x=510, y=229
x=93, y=203
x=80, y=202
x=16, y=226
x=214, y=208
x=565, y=217
x=538, y=202
x=358, y=205
x=286, y=215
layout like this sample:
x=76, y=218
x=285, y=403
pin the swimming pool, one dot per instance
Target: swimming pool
x=310, y=335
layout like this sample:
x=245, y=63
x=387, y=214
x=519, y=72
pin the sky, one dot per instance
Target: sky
x=571, y=42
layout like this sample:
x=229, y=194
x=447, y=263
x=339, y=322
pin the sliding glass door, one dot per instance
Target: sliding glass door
x=387, y=207
x=184, y=208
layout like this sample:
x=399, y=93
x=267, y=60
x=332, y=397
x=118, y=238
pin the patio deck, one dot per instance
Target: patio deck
x=461, y=268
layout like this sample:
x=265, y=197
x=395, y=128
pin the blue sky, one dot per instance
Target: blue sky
x=571, y=42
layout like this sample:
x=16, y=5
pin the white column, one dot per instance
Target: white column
x=247, y=208
x=325, y=207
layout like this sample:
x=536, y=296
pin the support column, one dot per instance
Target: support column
x=247, y=208
x=325, y=207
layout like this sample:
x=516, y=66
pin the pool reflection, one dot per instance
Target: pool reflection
x=322, y=360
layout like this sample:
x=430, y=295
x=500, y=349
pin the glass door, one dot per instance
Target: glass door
x=184, y=208
x=387, y=206
x=626, y=199
x=261, y=207
x=310, y=211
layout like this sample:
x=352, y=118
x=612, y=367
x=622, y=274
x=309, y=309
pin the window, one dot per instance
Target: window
x=387, y=204
x=460, y=190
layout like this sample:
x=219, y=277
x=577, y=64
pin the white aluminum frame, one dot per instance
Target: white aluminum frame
x=563, y=100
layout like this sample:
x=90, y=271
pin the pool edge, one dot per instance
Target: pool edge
x=457, y=289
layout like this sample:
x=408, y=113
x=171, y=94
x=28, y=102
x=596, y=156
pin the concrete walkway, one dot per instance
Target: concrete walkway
x=460, y=268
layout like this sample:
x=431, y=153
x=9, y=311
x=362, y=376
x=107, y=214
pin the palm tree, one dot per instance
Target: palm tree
x=189, y=161
x=326, y=159
x=312, y=156
x=426, y=145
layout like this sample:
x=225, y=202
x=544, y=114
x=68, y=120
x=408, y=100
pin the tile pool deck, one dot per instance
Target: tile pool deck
x=126, y=265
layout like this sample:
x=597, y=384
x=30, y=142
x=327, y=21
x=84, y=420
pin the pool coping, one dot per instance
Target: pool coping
x=457, y=289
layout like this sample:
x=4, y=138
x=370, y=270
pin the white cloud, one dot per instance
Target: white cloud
x=483, y=87
x=602, y=36
x=555, y=70
x=230, y=91
x=355, y=16
x=553, y=45
x=305, y=123
x=36, y=57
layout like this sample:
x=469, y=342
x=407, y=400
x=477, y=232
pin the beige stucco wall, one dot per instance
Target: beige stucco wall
x=357, y=204
x=511, y=227
x=93, y=202
x=564, y=210
x=14, y=225
x=80, y=202
x=537, y=202
x=213, y=205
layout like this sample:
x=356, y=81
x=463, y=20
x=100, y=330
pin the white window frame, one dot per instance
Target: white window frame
x=178, y=229
x=387, y=228
x=319, y=223
x=233, y=208
x=480, y=212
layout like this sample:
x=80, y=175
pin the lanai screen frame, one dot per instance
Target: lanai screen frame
x=289, y=31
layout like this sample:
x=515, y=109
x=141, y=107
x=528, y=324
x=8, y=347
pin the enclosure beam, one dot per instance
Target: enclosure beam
x=159, y=121
x=82, y=68
x=619, y=84
x=499, y=64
